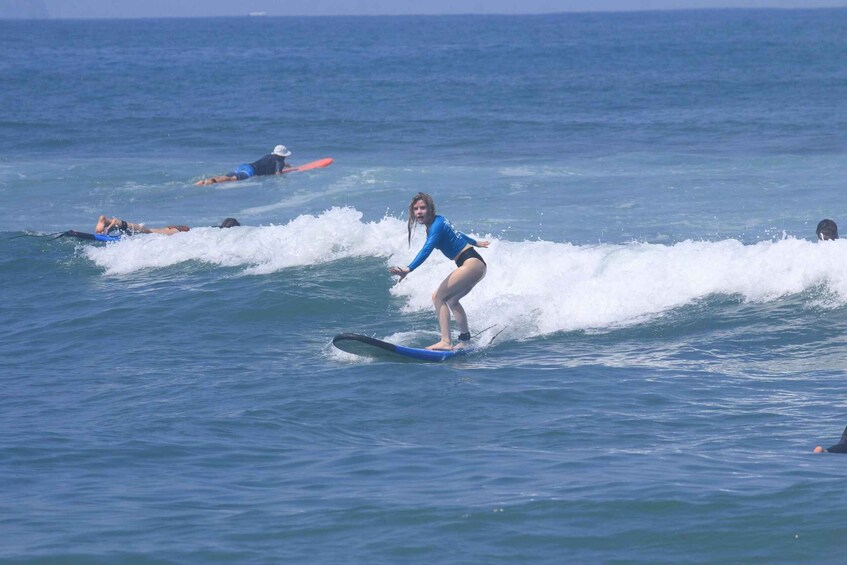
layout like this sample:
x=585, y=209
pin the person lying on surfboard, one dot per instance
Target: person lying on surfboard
x=271, y=164
x=441, y=235
x=106, y=225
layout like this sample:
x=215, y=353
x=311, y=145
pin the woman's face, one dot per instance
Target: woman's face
x=420, y=211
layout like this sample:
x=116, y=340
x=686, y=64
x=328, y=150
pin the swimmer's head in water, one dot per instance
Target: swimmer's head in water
x=827, y=229
x=229, y=223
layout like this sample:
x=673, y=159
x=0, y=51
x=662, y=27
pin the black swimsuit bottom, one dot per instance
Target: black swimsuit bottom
x=469, y=253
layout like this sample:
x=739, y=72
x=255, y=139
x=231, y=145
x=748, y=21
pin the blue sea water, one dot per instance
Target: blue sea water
x=672, y=340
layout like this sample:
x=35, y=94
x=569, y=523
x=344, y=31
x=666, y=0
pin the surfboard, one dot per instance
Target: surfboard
x=94, y=236
x=365, y=346
x=320, y=163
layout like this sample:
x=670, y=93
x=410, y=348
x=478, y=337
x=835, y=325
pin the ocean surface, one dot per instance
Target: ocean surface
x=671, y=340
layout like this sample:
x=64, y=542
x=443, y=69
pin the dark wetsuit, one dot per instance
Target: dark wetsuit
x=270, y=164
x=841, y=446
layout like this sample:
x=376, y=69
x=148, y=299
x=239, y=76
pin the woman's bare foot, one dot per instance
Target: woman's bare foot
x=441, y=346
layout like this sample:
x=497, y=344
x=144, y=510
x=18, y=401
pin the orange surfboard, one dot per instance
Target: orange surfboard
x=320, y=163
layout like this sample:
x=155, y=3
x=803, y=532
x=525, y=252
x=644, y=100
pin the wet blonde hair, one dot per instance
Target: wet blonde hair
x=430, y=211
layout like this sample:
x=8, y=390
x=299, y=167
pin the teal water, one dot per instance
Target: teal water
x=672, y=338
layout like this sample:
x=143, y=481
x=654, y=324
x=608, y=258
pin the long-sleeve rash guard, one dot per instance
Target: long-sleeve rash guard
x=270, y=164
x=443, y=236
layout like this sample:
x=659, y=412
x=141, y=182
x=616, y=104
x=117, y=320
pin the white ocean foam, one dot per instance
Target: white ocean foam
x=306, y=240
x=537, y=288
x=532, y=287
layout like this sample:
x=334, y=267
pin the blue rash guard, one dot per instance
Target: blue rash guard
x=443, y=236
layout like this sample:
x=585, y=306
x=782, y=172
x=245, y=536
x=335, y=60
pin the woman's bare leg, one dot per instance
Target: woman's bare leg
x=446, y=298
x=163, y=231
x=459, y=315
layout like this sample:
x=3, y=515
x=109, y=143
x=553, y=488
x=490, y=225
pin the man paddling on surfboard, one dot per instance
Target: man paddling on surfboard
x=271, y=164
x=441, y=235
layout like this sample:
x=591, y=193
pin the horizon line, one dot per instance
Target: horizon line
x=260, y=15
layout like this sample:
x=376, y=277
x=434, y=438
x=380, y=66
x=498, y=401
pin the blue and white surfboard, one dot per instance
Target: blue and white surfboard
x=376, y=348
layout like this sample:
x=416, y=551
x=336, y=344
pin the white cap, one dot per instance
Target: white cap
x=281, y=151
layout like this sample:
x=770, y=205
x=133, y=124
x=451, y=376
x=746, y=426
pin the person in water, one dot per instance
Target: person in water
x=271, y=164
x=840, y=447
x=827, y=229
x=106, y=225
x=441, y=235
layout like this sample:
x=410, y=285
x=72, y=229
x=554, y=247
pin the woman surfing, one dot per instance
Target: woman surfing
x=458, y=247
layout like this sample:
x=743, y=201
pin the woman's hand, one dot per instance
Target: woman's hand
x=482, y=243
x=399, y=271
